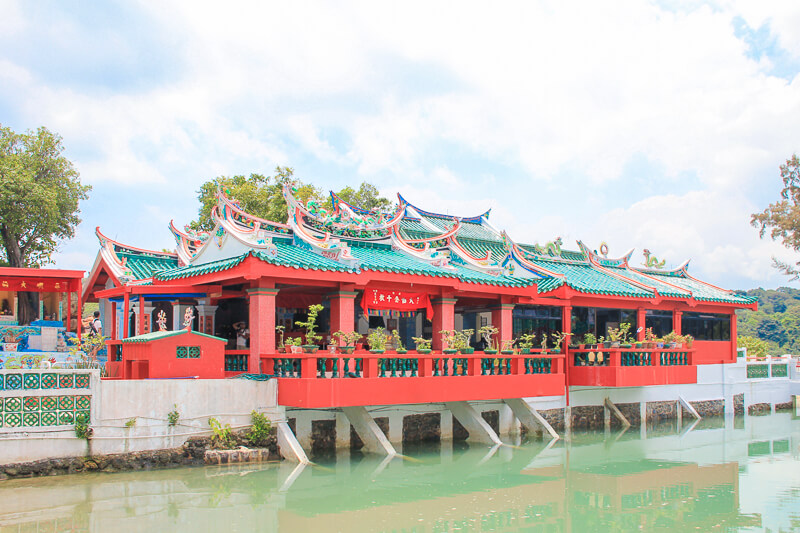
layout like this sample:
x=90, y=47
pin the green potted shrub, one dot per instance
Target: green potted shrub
x=293, y=345
x=462, y=339
x=687, y=340
x=558, y=338
x=281, y=346
x=525, y=342
x=377, y=340
x=346, y=341
x=508, y=347
x=310, y=325
x=449, y=337
x=590, y=341
x=423, y=345
x=398, y=343
x=625, y=335
x=489, y=334
x=650, y=339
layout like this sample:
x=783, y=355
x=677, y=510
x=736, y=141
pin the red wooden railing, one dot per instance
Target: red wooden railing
x=631, y=367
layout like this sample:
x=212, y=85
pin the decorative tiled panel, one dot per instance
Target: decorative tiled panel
x=187, y=352
x=39, y=411
x=780, y=371
x=757, y=371
x=32, y=399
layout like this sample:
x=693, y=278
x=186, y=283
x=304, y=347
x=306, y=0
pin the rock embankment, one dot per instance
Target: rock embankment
x=196, y=451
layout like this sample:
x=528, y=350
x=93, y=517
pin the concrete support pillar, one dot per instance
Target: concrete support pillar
x=206, y=318
x=371, y=435
x=443, y=318
x=676, y=321
x=261, y=324
x=479, y=430
x=641, y=323
x=530, y=417
x=342, y=311
x=502, y=319
x=290, y=448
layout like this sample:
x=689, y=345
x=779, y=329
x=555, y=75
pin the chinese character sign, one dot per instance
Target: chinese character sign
x=396, y=300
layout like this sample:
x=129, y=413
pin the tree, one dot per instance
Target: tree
x=262, y=196
x=40, y=192
x=259, y=195
x=366, y=197
x=783, y=216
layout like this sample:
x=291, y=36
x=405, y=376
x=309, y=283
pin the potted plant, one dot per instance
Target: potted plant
x=602, y=340
x=280, y=330
x=590, y=341
x=449, y=337
x=614, y=336
x=670, y=339
x=489, y=333
x=293, y=345
x=310, y=325
x=462, y=340
x=558, y=339
x=687, y=340
x=649, y=339
x=625, y=335
x=525, y=342
x=346, y=341
x=423, y=345
x=508, y=347
x=398, y=343
x=377, y=340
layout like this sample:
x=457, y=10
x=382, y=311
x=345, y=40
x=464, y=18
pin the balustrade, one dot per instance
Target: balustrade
x=324, y=365
x=631, y=357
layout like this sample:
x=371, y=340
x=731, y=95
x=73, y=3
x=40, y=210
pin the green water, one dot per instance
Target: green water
x=734, y=475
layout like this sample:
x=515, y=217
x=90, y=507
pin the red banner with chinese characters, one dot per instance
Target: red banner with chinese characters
x=34, y=285
x=396, y=300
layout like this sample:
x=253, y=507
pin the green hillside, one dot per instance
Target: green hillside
x=777, y=320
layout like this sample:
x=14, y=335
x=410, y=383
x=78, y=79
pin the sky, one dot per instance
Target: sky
x=657, y=125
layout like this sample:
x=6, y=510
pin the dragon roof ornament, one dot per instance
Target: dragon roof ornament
x=469, y=220
x=422, y=249
x=189, y=242
x=518, y=255
x=602, y=258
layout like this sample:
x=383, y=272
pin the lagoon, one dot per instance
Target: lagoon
x=724, y=474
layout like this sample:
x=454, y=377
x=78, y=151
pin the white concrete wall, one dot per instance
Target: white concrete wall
x=114, y=402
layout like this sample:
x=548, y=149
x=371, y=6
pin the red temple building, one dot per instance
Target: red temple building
x=415, y=272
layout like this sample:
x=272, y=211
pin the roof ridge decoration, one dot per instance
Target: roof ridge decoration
x=676, y=287
x=438, y=256
x=239, y=220
x=109, y=252
x=602, y=258
x=328, y=246
x=651, y=261
x=484, y=264
x=680, y=272
x=517, y=255
x=189, y=242
x=345, y=221
x=594, y=261
x=469, y=220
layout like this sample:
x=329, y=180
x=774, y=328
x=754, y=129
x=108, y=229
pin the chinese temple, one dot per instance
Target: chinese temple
x=27, y=342
x=416, y=273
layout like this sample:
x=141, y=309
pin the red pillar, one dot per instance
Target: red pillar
x=68, y=324
x=444, y=317
x=113, y=320
x=566, y=327
x=641, y=323
x=342, y=311
x=262, y=325
x=80, y=314
x=676, y=321
x=140, y=316
x=502, y=320
x=734, y=335
x=126, y=309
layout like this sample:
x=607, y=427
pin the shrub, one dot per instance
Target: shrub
x=260, y=430
x=755, y=346
x=82, y=429
x=222, y=439
x=173, y=416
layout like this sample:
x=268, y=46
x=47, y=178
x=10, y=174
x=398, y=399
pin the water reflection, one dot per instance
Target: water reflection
x=622, y=481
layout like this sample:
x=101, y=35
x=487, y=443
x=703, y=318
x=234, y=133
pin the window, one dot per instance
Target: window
x=659, y=321
x=187, y=352
x=707, y=326
x=536, y=319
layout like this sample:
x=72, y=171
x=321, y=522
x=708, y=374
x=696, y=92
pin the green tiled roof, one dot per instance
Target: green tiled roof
x=479, y=248
x=585, y=278
x=156, y=335
x=548, y=284
x=144, y=266
x=662, y=288
x=414, y=225
x=468, y=230
x=703, y=292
